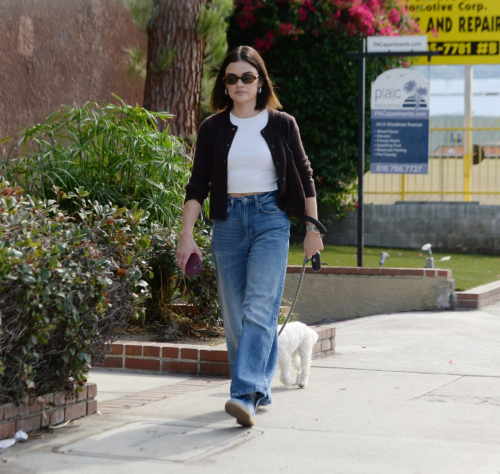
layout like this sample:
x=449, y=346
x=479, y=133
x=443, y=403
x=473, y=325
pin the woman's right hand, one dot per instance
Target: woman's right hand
x=186, y=247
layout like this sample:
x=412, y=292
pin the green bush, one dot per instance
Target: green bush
x=115, y=152
x=118, y=155
x=170, y=287
x=68, y=284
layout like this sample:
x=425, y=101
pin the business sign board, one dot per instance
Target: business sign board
x=463, y=31
x=397, y=44
x=399, y=141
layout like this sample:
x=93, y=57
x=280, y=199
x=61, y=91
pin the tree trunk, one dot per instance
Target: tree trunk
x=175, y=64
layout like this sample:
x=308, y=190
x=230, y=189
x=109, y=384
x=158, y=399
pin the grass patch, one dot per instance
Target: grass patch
x=469, y=270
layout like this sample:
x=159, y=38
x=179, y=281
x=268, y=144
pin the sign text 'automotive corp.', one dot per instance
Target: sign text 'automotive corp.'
x=463, y=31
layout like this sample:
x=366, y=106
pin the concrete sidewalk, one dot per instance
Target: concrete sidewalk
x=405, y=393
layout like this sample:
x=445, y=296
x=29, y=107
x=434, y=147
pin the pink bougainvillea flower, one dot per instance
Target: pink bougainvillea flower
x=394, y=16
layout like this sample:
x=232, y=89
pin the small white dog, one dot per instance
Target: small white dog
x=295, y=349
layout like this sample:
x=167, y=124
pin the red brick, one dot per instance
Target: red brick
x=151, y=351
x=70, y=398
x=22, y=410
x=191, y=354
x=353, y=271
x=35, y=407
x=468, y=296
x=418, y=272
x=293, y=269
x=133, y=350
x=7, y=429
x=214, y=355
x=75, y=411
x=29, y=424
x=430, y=272
x=326, y=345
x=444, y=273
x=180, y=367
x=142, y=364
x=83, y=394
x=91, y=390
x=342, y=271
x=215, y=369
x=408, y=271
x=9, y=411
x=92, y=407
x=170, y=352
x=334, y=332
x=331, y=270
x=468, y=304
x=116, y=349
x=364, y=271
x=397, y=271
x=54, y=417
x=59, y=398
x=113, y=362
x=375, y=271
x=49, y=398
x=324, y=334
x=386, y=271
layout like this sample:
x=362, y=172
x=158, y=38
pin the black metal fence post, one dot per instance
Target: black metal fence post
x=361, y=147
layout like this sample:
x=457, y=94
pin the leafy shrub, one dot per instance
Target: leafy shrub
x=115, y=152
x=169, y=286
x=67, y=285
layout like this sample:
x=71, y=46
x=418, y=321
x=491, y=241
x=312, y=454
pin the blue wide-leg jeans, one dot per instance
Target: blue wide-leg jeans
x=250, y=251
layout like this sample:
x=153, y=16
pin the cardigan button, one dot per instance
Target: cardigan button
x=277, y=163
x=283, y=179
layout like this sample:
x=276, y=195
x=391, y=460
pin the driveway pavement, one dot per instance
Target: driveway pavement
x=405, y=393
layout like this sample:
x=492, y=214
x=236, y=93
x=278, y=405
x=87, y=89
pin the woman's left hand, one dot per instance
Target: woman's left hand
x=312, y=243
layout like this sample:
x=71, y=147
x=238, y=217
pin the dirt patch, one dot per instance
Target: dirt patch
x=152, y=336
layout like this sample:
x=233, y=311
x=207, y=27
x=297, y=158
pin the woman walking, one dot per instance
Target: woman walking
x=240, y=161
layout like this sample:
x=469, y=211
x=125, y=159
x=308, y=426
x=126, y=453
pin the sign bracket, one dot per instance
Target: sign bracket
x=361, y=56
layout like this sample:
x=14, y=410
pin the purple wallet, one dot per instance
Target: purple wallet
x=194, y=265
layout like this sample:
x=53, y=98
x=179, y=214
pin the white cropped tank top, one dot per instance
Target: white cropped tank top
x=250, y=166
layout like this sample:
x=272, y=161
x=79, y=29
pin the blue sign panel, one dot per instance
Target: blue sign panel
x=400, y=123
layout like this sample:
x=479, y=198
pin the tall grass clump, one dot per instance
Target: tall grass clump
x=113, y=151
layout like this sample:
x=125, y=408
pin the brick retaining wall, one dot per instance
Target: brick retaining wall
x=47, y=410
x=190, y=359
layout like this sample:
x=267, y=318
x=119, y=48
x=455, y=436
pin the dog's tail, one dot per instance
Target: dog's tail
x=314, y=336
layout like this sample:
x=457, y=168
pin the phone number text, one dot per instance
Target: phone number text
x=398, y=169
x=466, y=48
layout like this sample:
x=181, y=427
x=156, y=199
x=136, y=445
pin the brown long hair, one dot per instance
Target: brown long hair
x=266, y=98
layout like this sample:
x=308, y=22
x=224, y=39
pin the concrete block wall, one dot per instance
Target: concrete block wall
x=449, y=226
x=339, y=293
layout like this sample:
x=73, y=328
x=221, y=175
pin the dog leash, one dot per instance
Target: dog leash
x=316, y=262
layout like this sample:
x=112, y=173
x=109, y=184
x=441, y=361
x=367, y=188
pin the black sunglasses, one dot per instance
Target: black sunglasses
x=247, y=78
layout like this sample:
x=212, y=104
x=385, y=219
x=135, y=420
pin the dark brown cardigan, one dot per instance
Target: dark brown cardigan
x=215, y=137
